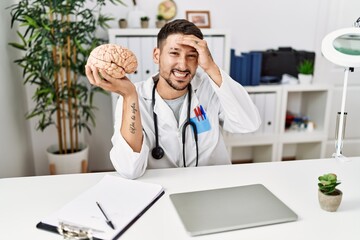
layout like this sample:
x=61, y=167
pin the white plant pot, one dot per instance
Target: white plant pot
x=68, y=163
x=305, y=78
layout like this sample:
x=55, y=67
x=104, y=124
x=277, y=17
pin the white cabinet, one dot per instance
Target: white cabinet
x=274, y=142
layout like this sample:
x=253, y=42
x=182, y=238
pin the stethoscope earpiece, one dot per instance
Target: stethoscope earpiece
x=157, y=152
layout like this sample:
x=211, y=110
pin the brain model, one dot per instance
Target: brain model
x=114, y=59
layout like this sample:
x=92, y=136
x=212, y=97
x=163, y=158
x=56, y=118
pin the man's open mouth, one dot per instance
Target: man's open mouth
x=180, y=74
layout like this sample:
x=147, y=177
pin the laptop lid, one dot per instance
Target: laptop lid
x=217, y=210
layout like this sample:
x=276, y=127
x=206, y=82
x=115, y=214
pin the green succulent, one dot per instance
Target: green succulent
x=306, y=67
x=145, y=18
x=327, y=183
x=160, y=17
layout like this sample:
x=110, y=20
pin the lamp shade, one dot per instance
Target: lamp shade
x=342, y=47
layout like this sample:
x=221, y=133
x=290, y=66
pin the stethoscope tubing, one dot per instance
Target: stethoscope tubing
x=158, y=151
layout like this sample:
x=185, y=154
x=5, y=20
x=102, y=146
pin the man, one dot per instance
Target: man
x=173, y=119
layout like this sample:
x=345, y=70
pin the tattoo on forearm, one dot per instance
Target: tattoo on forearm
x=132, y=128
x=132, y=124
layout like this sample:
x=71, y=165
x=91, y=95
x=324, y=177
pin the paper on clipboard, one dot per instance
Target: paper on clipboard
x=124, y=201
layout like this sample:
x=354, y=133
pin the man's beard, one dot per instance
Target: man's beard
x=173, y=86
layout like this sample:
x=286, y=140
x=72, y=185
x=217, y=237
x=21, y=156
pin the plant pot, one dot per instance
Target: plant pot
x=305, y=78
x=123, y=23
x=330, y=203
x=144, y=24
x=160, y=23
x=68, y=163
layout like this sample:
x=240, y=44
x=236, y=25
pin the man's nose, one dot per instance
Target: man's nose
x=182, y=62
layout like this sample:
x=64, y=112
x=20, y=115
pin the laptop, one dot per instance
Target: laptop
x=218, y=210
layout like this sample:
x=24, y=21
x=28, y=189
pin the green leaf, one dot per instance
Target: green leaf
x=18, y=46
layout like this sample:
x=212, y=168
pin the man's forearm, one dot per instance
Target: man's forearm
x=131, y=128
x=214, y=74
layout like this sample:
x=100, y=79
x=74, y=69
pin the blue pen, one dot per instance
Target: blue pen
x=202, y=111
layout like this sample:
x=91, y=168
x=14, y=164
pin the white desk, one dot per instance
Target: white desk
x=25, y=201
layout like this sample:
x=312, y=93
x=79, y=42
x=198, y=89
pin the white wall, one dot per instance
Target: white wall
x=254, y=25
x=16, y=158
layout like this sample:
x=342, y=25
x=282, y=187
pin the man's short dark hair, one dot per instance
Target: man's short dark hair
x=178, y=26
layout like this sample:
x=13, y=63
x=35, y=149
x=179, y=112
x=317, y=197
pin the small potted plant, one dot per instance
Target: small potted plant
x=144, y=22
x=160, y=21
x=306, y=71
x=123, y=23
x=329, y=196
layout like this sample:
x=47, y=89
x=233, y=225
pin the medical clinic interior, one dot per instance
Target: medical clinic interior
x=299, y=119
x=296, y=65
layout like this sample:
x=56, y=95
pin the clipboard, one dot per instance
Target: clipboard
x=125, y=202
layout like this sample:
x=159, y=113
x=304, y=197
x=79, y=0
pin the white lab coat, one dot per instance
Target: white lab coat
x=228, y=106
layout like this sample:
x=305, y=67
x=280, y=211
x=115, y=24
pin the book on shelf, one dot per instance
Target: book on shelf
x=246, y=68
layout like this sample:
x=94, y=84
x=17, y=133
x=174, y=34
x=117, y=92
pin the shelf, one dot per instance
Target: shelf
x=309, y=103
x=284, y=144
x=249, y=139
x=298, y=136
x=263, y=88
x=301, y=151
x=306, y=88
x=254, y=154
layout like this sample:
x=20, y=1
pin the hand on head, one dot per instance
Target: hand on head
x=205, y=59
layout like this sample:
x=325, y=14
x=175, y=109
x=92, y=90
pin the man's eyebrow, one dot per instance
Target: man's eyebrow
x=179, y=49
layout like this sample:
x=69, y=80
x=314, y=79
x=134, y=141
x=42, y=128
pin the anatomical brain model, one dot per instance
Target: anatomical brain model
x=114, y=59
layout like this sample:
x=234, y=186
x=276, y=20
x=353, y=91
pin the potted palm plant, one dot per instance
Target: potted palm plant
x=329, y=196
x=56, y=39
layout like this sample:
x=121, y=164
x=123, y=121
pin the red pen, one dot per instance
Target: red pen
x=197, y=113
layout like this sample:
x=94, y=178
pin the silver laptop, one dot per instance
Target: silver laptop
x=225, y=209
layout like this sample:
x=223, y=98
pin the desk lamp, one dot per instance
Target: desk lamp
x=342, y=47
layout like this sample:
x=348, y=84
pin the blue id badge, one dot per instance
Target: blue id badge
x=201, y=120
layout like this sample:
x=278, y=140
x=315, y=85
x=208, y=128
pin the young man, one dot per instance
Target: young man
x=173, y=119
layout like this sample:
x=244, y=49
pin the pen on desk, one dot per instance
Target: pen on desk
x=108, y=221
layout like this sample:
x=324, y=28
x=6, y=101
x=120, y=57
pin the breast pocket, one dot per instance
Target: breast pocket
x=201, y=120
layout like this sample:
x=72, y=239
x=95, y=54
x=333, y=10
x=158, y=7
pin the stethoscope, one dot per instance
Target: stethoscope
x=158, y=152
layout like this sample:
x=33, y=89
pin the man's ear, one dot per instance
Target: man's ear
x=156, y=55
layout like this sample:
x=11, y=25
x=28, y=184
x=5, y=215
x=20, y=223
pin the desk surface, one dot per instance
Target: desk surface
x=25, y=201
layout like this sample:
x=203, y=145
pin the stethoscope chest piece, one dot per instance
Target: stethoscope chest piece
x=157, y=152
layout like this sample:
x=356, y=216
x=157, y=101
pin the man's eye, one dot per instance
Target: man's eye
x=174, y=53
x=192, y=56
